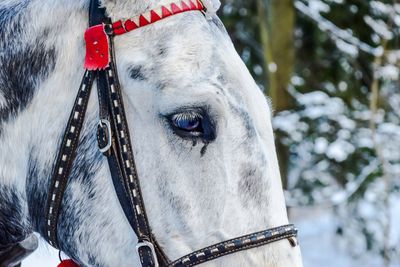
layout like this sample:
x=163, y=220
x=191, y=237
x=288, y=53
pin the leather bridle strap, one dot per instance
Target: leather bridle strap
x=114, y=142
x=238, y=244
x=122, y=164
x=65, y=158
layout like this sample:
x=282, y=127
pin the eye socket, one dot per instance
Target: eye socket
x=189, y=122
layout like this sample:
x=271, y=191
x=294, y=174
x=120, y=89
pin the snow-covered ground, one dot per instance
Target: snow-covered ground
x=320, y=246
x=45, y=256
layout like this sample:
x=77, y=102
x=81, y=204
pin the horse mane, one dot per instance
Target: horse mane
x=24, y=59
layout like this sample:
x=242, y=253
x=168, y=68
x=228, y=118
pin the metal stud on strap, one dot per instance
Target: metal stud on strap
x=147, y=244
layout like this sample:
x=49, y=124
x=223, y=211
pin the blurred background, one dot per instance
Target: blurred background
x=331, y=68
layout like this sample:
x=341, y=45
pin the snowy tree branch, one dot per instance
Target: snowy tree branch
x=344, y=39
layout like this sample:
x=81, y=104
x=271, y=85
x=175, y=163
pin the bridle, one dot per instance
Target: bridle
x=114, y=142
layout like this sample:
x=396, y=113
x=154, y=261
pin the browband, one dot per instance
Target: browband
x=154, y=15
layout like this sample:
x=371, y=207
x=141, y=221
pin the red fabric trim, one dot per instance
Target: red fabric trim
x=185, y=7
x=143, y=21
x=118, y=28
x=68, y=263
x=200, y=4
x=175, y=9
x=192, y=5
x=166, y=12
x=154, y=16
x=157, y=14
x=97, y=48
x=130, y=25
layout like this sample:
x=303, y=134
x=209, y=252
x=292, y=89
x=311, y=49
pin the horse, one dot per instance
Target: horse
x=200, y=128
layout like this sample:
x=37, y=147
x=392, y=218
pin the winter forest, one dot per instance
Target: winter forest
x=331, y=68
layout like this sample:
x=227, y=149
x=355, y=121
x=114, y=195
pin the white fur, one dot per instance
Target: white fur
x=169, y=168
x=212, y=6
x=2, y=100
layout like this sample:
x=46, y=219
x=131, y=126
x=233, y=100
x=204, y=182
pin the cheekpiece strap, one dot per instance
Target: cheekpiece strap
x=239, y=244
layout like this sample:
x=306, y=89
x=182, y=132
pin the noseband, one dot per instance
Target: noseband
x=114, y=142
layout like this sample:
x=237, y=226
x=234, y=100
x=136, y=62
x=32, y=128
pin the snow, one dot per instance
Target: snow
x=381, y=7
x=340, y=150
x=318, y=104
x=366, y=210
x=272, y=67
x=343, y=86
x=393, y=56
x=313, y=98
x=212, y=7
x=45, y=256
x=321, y=145
x=390, y=72
x=319, y=6
x=288, y=123
x=346, y=47
x=379, y=27
x=297, y=80
x=344, y=39
x=321, y=246
x=346, y=123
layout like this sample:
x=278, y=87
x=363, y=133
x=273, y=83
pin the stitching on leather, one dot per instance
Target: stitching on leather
x=63, y=179
x=240, y=247
x=67, y=165
x=245, y=247
x=129, y=194
x=131, y=169
x=236, y=239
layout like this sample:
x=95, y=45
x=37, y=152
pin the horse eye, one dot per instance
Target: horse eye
x=189, y=122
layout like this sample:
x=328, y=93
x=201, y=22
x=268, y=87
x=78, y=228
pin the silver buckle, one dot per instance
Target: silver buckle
x=153, y=251
x=102, y=123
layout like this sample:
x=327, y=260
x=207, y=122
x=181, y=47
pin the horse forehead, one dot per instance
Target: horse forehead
x=172, y=57
x=198, y=70
x=123, y=9
x=186, y=58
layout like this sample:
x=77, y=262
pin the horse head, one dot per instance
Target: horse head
x=200, y=129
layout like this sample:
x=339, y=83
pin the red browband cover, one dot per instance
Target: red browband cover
x=68, y=263
x=97, y=40
x=97, y=48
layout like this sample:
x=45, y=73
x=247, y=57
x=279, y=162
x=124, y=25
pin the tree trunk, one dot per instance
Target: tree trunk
x=276, y=32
